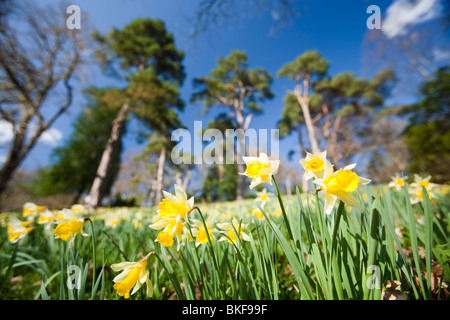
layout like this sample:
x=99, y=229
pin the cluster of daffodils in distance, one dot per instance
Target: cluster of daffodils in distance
x=414, y=188
x=335, y=184
x=175, y=224
x=69, y=222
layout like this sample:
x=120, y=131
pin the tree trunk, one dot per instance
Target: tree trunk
x=104, y=170
x=303, y=100
x=13, y=161
x=160, y=175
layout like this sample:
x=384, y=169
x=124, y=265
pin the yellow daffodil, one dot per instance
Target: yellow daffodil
x=79, y=208
x=260, y=169
x=278, y=212
x=175, y=204
x=111, y=220
x=46, y=216
x=256, y=212
x=416, y=188
x=172, y=228
x=397, y=182
x=339, y=184
x=262, y=198
x=201, y=234
x=17, y=230
x=69, y=225
x=230, y=228
x=315, y=165
x=30, y=210
x=132, y=277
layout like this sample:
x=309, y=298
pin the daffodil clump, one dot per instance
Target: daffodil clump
x=173, y=214
x=334, y=184
x=414, y=188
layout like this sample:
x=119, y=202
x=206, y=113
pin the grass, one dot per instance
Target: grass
x=300, y=254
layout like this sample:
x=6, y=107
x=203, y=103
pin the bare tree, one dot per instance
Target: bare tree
x=39, y=58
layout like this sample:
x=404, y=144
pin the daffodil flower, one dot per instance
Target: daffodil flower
x=30, y=210
x=256, y=212
x=201, y=234
x=396, y=183
x=230, y=228
x=339, y=184
x=69, y=225
x=172, y=228
x=416, y=188
x=315, y=165
x=175, y=204
x=17, y=230
x=46, y=216
x=111, y=220
x=260, y=169
x=262, y=197
x=132, y=277
x=79, y=208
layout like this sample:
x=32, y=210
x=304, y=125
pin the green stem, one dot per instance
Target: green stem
x=336, y=225
x=94, y=253
x=277, y=192
x=207, y=235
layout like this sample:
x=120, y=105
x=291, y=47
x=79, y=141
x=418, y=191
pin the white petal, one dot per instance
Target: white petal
x=245, y=236
x=124, y=265
x=136, y=287
x=170, y=197
x=350, y=166
x=363, y=181
x=263, y=158
x=180, y=193
x=247, y=160
x=190, y=203
x=255, y=182
x=225, y=226
x=274, y=166
x=159, y=224
x=330, y=201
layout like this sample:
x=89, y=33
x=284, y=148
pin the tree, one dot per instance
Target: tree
x=304, y=70
x=38, y=61
x=220, y=183
x=292, y=121
x=144, y=54
x=238, y=88
x=348, y=104
x=73, y=165
x=428, y=130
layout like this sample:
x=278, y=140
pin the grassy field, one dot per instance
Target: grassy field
x=291, y=249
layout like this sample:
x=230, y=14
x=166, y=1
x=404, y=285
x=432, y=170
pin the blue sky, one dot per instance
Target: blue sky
x=335, y=28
